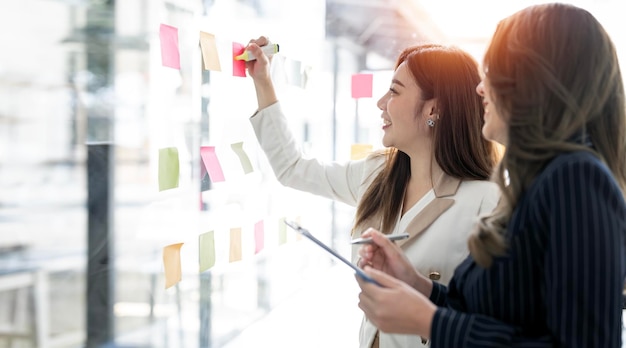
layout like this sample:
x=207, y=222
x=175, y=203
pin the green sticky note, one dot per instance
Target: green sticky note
x=168, y=168
x=282, y=231
x=207, y=250
x=243, y=157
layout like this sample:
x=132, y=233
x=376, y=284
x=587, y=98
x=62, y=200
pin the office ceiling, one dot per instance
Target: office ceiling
x=381, y=26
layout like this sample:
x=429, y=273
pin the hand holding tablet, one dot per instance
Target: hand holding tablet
x=307, y=234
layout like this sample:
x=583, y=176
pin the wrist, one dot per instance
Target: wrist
x=265, y=93
x=426, y=320
x=423, y=284
x=264, y=82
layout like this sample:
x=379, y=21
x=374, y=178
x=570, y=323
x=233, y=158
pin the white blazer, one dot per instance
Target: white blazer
x=438, y=224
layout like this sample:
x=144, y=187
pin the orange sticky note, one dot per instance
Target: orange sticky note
x=362, y=85
x=358, y=151
x=208, y=47
x=171, y=263
x=259, y=237
x=170, y=55
x=211, y=163
x=239, y=66
x=235, y=244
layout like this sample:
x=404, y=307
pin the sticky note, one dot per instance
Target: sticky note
x=206, y=242
x=282, y=231
x=278, y=72
x=359, y=151
x=169, y=168
x=362, y=85
x=259, y=237
x=170, y=55
x=208, y=47
x=294, y=72
x=211, y=163
x=243, y=157
x=235, y=244
x=239, y=66
x=171, y=263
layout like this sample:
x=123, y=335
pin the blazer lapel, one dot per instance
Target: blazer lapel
x=446, y=186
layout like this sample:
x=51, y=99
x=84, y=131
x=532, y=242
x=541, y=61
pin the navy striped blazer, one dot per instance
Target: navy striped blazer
x=561, y=282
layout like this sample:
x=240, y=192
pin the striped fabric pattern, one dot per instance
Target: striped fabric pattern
x=560, y=284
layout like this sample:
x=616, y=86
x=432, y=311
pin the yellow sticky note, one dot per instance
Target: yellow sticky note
x=207, y=250
x=235, y=244
x=282, y=231
x=359, y=151
x=208, y=47
x=168, y=168
x=243, y=157
x=171, y=263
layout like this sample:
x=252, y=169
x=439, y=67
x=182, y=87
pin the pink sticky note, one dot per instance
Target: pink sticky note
x=202, y=168
x=169, y=46
x=259, y=237
x=362, y=85
x=211, y=163
x=239, y=66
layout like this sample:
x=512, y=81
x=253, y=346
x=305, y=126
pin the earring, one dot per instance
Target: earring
x=430, y=122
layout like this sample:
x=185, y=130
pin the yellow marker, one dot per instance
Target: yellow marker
x=269, y=50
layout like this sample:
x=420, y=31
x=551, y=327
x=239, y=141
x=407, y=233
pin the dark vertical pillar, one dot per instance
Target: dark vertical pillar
x=100, y=57
x=100, y=270
x=204, y=334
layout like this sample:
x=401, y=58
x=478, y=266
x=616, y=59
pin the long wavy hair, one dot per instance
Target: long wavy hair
x=450, y=75
x=555, y=78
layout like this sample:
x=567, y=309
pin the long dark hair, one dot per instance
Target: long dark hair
x=450, y=75
x=555, y=76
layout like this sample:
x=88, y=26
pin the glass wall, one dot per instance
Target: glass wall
x=86, y=108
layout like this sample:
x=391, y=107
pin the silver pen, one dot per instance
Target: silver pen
x=391, y=237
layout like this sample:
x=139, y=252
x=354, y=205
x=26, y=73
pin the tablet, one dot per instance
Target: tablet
x=308, y=234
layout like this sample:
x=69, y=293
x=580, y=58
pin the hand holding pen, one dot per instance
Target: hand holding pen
x=259, y=70
x=384, y=255
x=269, y=50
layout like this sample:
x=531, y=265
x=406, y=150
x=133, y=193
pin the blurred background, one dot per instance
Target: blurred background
x=85, y=106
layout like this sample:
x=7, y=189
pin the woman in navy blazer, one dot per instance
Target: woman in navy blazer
x=547, y=266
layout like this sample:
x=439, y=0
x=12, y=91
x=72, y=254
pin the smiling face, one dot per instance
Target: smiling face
x=495, y=128
x=404, y=113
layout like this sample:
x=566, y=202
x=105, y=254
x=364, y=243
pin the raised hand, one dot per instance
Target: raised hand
x=258, y=69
